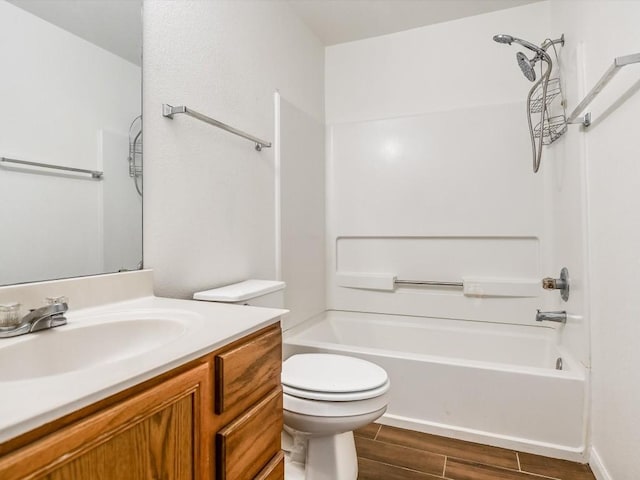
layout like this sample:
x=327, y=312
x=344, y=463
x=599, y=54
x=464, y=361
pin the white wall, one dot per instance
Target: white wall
x=607, y=155
x=429, y=168
x=209, y=196
x=59, y=91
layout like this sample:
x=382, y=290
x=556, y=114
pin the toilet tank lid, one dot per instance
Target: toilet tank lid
x=239, y=292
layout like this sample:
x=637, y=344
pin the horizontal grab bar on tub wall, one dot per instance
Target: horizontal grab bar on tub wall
x=429, y=282
x=471, y=286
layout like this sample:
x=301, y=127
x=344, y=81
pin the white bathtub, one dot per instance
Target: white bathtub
x=490, y=383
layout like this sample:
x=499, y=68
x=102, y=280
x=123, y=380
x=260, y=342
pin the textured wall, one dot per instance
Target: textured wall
x=209, y=216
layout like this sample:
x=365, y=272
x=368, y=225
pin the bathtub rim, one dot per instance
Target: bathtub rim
x=576, y=370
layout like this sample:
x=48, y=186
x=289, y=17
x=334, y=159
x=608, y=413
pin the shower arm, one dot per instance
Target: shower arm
x=547, y=43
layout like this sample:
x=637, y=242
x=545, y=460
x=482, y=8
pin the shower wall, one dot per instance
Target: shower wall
x=302, y=212
x=595, y=180
x=429, y=170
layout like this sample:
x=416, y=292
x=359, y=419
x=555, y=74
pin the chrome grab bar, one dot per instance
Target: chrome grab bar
x=169, y=111
x=429, y=282
x=94, y=173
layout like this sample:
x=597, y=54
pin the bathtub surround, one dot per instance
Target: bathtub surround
x=413, y=187
x=417, y=187
x=597, y=171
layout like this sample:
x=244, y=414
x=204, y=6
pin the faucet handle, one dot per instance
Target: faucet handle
x=562, y=284
x=56, y=300
x=9, y=314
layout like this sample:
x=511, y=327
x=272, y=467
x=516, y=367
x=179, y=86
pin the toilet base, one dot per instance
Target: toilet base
x=324, y=444
x=332, y=457
x=327, y=457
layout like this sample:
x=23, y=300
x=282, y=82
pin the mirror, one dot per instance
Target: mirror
x=71, y=97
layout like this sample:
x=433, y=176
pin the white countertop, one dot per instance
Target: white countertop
x=29, y=403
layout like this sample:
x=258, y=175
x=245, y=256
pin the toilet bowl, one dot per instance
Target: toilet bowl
x=326, y=397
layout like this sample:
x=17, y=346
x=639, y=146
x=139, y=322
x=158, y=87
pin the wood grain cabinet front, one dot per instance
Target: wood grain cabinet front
x=246, y=373
x=246, y=445
x=274, y=469
x=152, y=435
x=167, y=427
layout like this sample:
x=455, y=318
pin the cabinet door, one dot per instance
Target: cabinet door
x=244, y=447
x=152, y=435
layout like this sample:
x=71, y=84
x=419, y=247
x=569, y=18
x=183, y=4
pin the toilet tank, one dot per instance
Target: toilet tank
x=257, y=293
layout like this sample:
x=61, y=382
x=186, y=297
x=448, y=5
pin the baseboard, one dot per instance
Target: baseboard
x=564, y=452
x=597, y=467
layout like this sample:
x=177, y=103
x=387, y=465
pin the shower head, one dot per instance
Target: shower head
x=502, y=38
x=508, y=39
x=527, y=66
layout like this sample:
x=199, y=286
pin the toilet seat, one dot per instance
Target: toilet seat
x=328, y=385
x=331, y=374
x=319, y=408
x=336, y=397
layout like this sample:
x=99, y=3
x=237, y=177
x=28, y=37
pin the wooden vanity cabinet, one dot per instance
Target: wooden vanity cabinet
x=169, y=427
x=248, y=406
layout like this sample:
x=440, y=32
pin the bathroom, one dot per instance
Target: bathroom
x=400, y=149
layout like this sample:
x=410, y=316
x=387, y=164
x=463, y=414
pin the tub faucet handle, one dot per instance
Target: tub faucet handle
x=562, y=284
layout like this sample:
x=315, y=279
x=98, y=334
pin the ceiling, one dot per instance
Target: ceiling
x=115, y=25
x=339, y=21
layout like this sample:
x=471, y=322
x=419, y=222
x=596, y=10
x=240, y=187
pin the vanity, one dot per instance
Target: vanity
x=195, y=394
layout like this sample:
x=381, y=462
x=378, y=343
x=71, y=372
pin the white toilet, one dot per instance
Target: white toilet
x=326, y=396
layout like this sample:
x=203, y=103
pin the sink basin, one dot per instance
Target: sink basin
x=77, y=347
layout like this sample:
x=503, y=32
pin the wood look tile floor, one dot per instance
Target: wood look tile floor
x=389, y=453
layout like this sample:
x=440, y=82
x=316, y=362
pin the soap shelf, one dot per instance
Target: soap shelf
x=553, y=129
x=553, y=90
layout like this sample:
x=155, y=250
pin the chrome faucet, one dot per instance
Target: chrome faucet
x=560, y=316
x=42, y=318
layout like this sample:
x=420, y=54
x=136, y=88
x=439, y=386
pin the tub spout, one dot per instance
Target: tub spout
x=560, y=316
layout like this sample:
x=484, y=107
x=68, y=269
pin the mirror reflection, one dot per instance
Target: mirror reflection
x=71, y=96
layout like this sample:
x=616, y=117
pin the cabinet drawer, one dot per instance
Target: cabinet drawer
x=245, y=446
x=248, y=372
x=274, y=469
